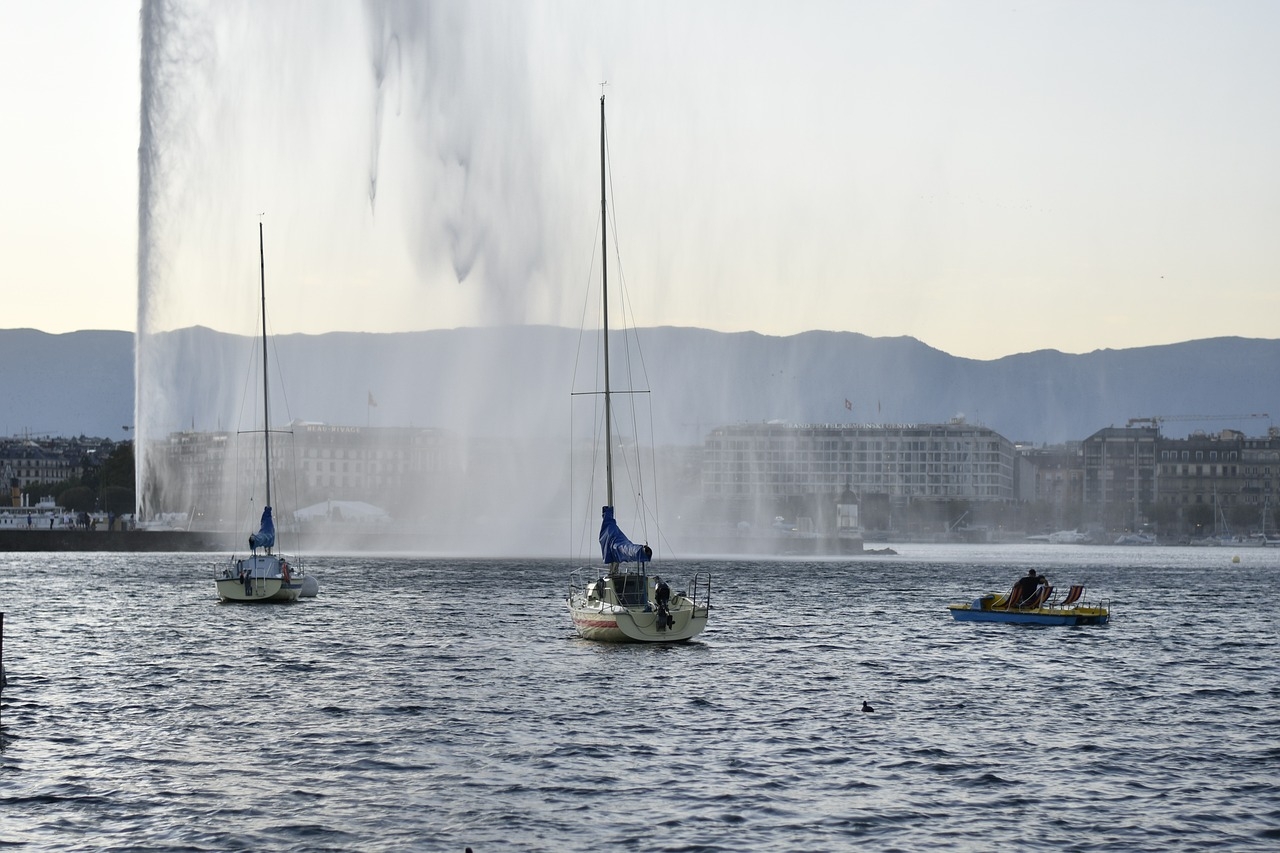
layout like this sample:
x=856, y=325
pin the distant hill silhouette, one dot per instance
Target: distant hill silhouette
x=516, y=380
x=79, y=383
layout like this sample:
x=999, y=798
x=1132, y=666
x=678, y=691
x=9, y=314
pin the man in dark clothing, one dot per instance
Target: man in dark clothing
x=1025, y=587
x=661, y=592
x=662, y=597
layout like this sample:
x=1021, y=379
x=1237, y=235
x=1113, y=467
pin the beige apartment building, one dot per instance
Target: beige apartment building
x=757, y=470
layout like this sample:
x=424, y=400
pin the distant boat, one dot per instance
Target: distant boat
x=1263, y=536
x=1068, y=537
x=265, y=576
x=619, y=601
x=1136, y=539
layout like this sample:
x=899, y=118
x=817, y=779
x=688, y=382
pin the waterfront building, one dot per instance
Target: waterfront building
x=810, y=478
x=1119, y=476
x=28, y=461
x=1051, y=486
x=1222, y=483
x=402, y=467
x=761, y=469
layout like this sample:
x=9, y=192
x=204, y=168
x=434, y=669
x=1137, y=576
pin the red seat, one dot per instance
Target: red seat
x=1038, y=597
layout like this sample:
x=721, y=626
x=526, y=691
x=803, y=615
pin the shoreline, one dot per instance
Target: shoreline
x=110, y=540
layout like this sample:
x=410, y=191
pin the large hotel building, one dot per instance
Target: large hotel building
x=952, y=461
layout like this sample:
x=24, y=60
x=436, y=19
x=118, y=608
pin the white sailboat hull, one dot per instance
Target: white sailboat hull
x=258, y=579
x=624, y=608
x=612, y=623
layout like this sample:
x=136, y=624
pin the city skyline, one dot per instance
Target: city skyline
x=987, y=180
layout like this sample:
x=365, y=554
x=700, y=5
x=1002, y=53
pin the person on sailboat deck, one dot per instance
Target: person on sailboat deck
x=662, y=597
x=661, y=592
x=1026, y=586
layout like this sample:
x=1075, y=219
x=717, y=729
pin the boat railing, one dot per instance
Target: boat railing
x=580, y=579
x=700, y=591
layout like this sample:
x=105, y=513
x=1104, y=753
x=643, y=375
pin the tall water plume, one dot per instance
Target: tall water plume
x=416, y=167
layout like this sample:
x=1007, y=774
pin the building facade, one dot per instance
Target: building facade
x=206, y=474
x=1222, y=483
x=1051, y=486
x=1119, y=476
x=32, y=462
x=1207, y=484
x=768, y=465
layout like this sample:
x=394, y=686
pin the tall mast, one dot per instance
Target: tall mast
x=266, y=418
x=604, y=279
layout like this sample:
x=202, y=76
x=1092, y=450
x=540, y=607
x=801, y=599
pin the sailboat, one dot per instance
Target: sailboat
x=1265, y=537
x=264, y=575
x=619, y=601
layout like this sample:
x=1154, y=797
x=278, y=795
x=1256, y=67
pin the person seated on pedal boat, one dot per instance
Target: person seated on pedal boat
x=1026, y=587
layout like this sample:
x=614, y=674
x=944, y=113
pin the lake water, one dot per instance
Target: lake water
x=422, y=704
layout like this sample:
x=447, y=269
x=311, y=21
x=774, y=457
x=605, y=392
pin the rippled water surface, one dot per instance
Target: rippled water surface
x=436, y=705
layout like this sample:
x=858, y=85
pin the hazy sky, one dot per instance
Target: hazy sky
x=989, y=178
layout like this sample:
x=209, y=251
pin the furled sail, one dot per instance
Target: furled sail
x=615, y=547
x=266, y=535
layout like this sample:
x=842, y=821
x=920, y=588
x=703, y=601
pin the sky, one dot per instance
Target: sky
x=990, y=178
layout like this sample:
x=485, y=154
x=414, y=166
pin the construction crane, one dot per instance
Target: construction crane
x=1156, y=420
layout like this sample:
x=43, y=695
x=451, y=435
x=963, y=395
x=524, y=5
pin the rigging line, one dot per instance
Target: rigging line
x=281, y=388
x=630, y=463
x=584, y=534
x=653, y=472
x=250, y=506
x=586, y=303
x=578, y=528
x=628, y=308
x=661, y=537
x=630, y=336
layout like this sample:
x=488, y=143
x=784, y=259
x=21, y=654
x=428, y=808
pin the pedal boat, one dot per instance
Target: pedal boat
x=1043, y=610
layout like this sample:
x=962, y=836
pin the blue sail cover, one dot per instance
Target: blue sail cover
x=266, y=535
x=615, y=547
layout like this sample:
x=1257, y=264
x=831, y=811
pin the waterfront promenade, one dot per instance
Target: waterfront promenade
x=111, y=540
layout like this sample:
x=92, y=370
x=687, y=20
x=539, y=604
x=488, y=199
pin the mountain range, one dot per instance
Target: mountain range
x=498, y=381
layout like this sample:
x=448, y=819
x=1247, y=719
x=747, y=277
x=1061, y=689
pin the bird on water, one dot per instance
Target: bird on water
x=866, y=707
